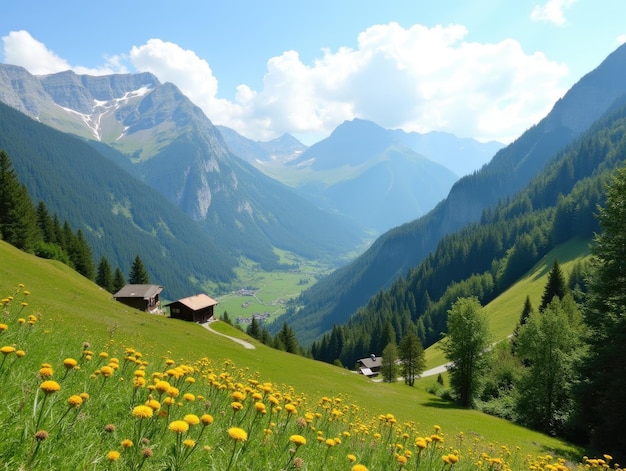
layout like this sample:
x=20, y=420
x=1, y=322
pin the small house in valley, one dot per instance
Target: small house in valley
x=371, y=366
x=197, y=308
x=142, y=297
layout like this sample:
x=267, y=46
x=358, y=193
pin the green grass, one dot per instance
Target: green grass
x=504, y=311
x=74, y=310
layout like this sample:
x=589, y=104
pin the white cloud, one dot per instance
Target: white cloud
x=553, y=11
x=621, y=39
x=20, y=48
x=417, y=78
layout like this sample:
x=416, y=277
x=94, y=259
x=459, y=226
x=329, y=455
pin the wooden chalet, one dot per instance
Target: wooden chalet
x=371, y=366
x=142, y=297
x=197, y=308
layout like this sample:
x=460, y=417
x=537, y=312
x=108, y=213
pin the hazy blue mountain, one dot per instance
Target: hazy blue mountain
x=336, y=297
x=361, y=171
x=157, y=134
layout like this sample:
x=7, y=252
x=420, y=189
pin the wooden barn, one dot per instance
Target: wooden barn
x=142, y=297
x=196, y=308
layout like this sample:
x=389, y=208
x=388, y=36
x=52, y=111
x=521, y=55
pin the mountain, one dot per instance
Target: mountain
x=361, y=170
x=335, y=298
x=158, y=135
x=120, y=216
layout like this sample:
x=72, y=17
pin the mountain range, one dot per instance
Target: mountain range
x=337, y=297
x=379, y=178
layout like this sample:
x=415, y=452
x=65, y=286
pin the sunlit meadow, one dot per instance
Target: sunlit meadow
x=110, y=407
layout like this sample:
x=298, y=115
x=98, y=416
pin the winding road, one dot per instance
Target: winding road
x=247, y=345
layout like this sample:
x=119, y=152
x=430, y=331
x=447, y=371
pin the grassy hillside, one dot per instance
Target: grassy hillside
x=504, y=311
x=75, y=311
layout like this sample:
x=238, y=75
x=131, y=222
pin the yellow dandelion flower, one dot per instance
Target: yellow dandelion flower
x=238, y=396
x=206, y=419
x=192, y=419
x=7, y=349
x=75, y=400
x=401, y=460
x=237, y=434
x=113, y=455
x=291, y=409
x=84, y=396
x=351, y=458
x=189, y=443
x=4, y=327
x=153, y=404
x=260, y=407
x=126, y=443
x=70, y=363
x=330, y=442
x=189, y=397
x=143, y=412
x=359, y=467
x=20, y=353
x=103, y=355
x=237, y=406
x=297, y=440
x=50, y=387
x=106, y=371
x=179, y=426
x=46, y=371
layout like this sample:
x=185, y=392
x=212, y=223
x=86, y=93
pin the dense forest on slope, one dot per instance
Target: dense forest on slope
x=119, y=216
x=485, y=258
x=335, y=298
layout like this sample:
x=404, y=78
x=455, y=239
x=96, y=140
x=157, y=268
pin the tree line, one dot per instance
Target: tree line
x=563, y=371
x=33, y=229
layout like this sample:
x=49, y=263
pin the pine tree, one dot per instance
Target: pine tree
x=527, y=310
x=412, y=357
x=118, y=280
x=287, y=339
x=603, y=393
x=80, y=254
x=138, y=274
x=104, y=278
x=388, y=367
x=556, y=286
x=254, y=330
x=46, y=224
x=18, y=217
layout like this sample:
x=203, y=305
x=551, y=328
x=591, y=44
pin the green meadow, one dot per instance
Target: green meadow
x=73, y=312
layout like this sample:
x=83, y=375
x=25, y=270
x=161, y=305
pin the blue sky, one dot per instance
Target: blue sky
x=487, y=69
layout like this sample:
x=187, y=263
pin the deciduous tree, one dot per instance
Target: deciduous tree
x=465, y=343
x=388, y=368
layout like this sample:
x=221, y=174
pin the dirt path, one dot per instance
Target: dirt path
x=247, y=345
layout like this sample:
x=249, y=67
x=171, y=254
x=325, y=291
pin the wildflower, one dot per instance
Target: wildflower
x=84, y=396
x=236, y=406
x=3, y=327
x=7, y=349
x=153, y=404
x=113, y=455
x=69, y=363
x=401, y=459
x=421, y=443
x=109, y=428
x=192, y=419
x=358, y=467
x=75, y=400
x=20, y=353
x=330, y=442
x=179, y=426
x=351, y=458
x=46, y=371
x=142, y=412
x=238, y=396
x=106, y=371
x=126, y=443
x=189, y=443
x=50, y=386
x=260, y=407
x=290, y=408
x=297, y=440
x=206, y=419
x=238, y=434
x=189, y=397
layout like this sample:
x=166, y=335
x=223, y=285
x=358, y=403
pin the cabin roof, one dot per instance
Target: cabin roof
x=197, y=301
x=138, y=291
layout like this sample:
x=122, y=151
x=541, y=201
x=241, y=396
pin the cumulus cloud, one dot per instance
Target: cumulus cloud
x=417, y=79
x=553, y=11
x=20, y=48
